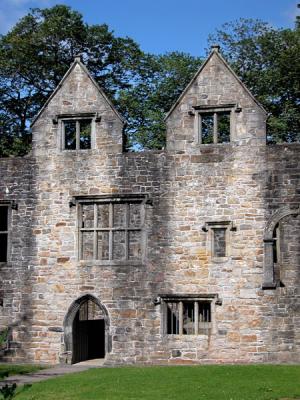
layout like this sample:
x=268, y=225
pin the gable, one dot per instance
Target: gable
x=220, y=71
x=215, y=92
x=77, y=90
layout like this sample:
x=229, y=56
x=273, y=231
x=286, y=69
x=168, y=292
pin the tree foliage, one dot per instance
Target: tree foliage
x=37, y=52
x=162, y=79
x=268, y=62
x=35, y=55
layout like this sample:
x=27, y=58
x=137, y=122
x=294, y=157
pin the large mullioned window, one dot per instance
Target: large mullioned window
x=111, y=230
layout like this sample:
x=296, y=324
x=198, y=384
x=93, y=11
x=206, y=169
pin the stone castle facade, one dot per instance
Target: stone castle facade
x=182, y=256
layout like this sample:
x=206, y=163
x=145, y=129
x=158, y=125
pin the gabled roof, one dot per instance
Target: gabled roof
x=214, y=52
x=78, y=61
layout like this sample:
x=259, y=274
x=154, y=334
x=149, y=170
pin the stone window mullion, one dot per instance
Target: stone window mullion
x=180, y=318
x=95, y=237
x=110, y=224
x=215, y=133
x=199, y=128
x=196, y=313
x=77, y=135
x=80, y=244
x=63, y=139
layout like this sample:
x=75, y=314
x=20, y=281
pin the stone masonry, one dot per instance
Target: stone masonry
x=248, y=189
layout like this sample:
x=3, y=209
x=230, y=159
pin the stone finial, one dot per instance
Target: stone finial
x=78, y=57
x=215, y=47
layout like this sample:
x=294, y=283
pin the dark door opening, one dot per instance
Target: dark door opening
x=88, y=333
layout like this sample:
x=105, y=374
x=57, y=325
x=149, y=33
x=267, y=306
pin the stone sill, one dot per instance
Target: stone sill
x=110, y=263
x=220, y=259
x=216, y=145
x=189, y=337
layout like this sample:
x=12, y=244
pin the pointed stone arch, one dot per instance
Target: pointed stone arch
x=269, y=279
x=68, y=326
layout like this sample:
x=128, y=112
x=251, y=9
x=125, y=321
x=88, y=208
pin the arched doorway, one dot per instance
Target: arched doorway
x=86, y=330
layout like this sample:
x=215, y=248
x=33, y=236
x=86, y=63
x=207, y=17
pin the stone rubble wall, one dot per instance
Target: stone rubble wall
x=17, y=185
x=187, y=191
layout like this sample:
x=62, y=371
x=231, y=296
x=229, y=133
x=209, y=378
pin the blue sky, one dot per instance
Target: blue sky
x=162, y=25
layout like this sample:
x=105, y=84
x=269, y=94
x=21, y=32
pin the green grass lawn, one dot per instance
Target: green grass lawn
x=12, y=369
x=255, y=382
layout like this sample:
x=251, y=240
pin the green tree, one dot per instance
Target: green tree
x=35, y=55
x=268, y=62
x=144, y=105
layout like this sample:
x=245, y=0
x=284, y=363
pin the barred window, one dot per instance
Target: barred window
x=187, y=317
x=111, y=230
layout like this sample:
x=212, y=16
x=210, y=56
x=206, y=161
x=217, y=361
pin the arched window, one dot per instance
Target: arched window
x=272, y=246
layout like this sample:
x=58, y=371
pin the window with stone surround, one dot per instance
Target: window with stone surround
x=219, y=238
x=111, y=230
x=77, y=134
x=4, y=232
x=213, y=124
x=187, y=315
x=76, y=131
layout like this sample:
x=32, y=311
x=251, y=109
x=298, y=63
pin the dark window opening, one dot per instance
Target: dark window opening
x=276, y=252
x=77, y=134
x=223, y=127
x=214, y=127
x=70, y=135
x=219, y=242
x=3, y=233
x=276, y=244
x=3, y=218
x=188, y=317
x=3, y=247
x=85, y=134
x=173, y=318
x=207, y=128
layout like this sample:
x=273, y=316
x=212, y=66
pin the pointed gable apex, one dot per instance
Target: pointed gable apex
x=214, y=53
x=77, y=61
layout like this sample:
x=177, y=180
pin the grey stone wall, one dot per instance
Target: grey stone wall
x=189, y=187
x=17, y=189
